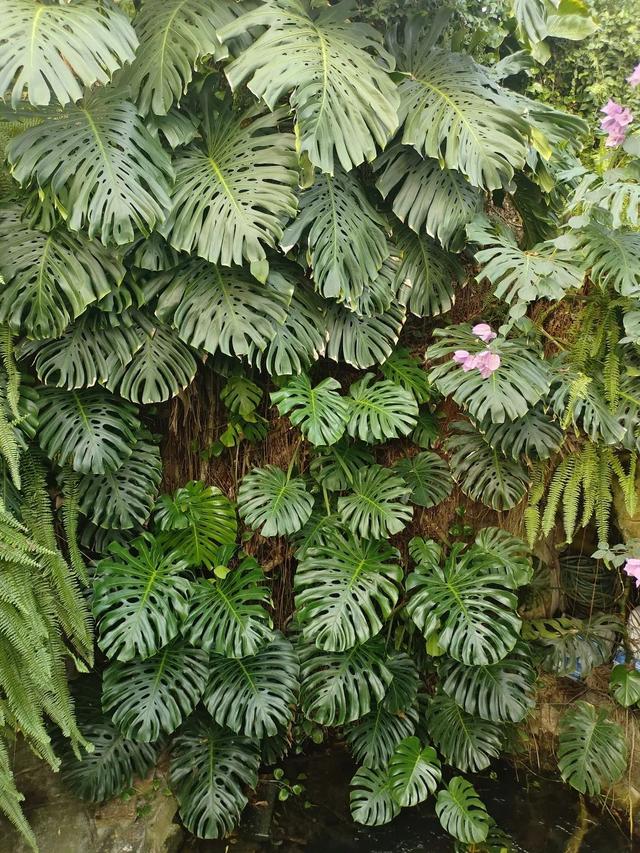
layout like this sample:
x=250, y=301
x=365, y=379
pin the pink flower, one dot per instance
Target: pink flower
x=618, y=118
x=632, y=568
x=487, y=363
x=484, y=332
x=634, y=78
x=460, y=356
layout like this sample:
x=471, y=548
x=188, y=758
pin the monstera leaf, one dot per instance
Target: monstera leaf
x=592, y=749
x=273, y=502
x=430, y=271
x=81, y=356
x=235, y=189
x=613, y=256
x=124, y=498
x=91, y=430
x=520, y=276
x=341, y=687
x=345, y=590
x=371, y=800
x=384, y=290
x=254, y=695
x=426, y=196
x=509, y=554
x=226, y=310
x=380, y=410
x=414, y=772
x=161, y=368
x=624, y=685
x=335, y=467
x=467, y=605
x=152, y=697
x=363, y=341
x=210, y=770
x=616, y=191
x=428, y=476
x=241, y=396
x=501, y=692
x=229, y=617
x=581, y=400
x=519, y=383
x=343, y=234
x=570, y=643
x=101, y=165
x=174, y=36
x=373, y=739
x=467, y=742
x=462, y=813
x=320, y=412
x=403, y=690
x=406, y=370
x=140, y=598
x=535, y=436
x=343, y=97
x=196, y=521
x=59, y=49
x=49, y=278
x=481, y=472
x=453, y=111
x=377, y=506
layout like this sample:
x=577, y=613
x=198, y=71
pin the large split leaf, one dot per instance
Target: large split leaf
x=100, y=164
x=140, y=598
x=467, y=742
x=427, y=475
x=340, y=687
x=254, y=695
x=426, y=196
x=380, y=410
x=373, y=739
x=534, y=436
x=91, y=430
x=405, y=369
x=430, y=272
x=371, y=800
x=403, y=690
x=467, y=604
x=336, y=71
x=613, y=256
x=234, y=189
x=229, y=616
x=592, y=749
x=335, y=467
x=345, y=590
x=49, y=278
x=414, y=772
x=220, y=309
x=152, y=697
x=462, y=813
x=363, y=341
x=377, y=506
x=59, y=49
x=210, y=769
x=510, y=554
x=343, y=234
x=320, y=412
x=273, y=502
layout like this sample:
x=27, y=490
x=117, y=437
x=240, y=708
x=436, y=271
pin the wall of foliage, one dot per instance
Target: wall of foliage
x=288, y=199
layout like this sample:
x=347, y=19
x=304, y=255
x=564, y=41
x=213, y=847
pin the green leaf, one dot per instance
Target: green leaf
x=581, y=400
x=337, y=73
x=335, y=467
x=624, y=684
x=220, y=309
x=273, y=502
x=91, y=430
x=452, y=110
x=101, y=166
x=123, y=499
x=403, y=690
x=59, y=49
x=467, y=604
x=51, y=278
x=234, y=190
x=431, y=273
x=229, y=616
x=195, y=521
x=380, y=410
x=481, y=472
x=592, y=750
x=428, y=476
x=241, y=396
x=371, y=799
x=345, y=590
x=467, y=742
x=362, y=341
x=501, y=692
x=140, y=598
x=174, y=38
x=384, y=290
x=403, y=369
x=509, y=554
x=343, y=234
x=320, y=412
x=462, y=813
x=517, y=385
x=613, y=256
x=377, y=506
x=152, y=697
x=210, y=770
x=426, y=196
x=414, y=772
x=534, y=436
x=254, y=695
x=373, y=739
x=571, y=643
x=340, y=687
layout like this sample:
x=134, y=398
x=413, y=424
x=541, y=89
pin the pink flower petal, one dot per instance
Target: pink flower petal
x=460, y=356
x=634, y=78
x=484, y=332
